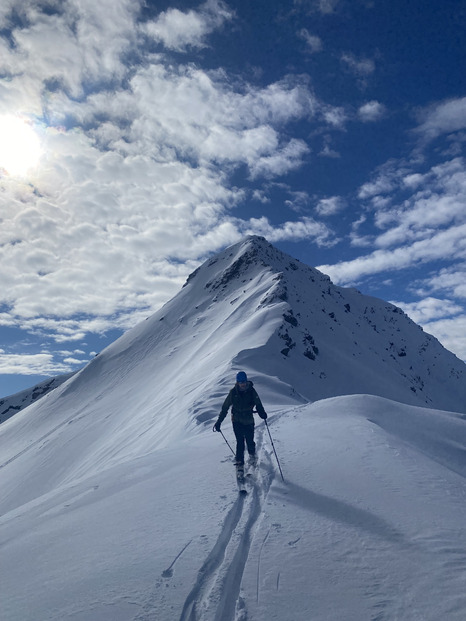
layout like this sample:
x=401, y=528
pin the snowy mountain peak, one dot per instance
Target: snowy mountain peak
x=251, y=255
x=321, y=340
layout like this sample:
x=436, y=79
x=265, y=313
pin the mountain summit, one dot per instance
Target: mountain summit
x=285, y=320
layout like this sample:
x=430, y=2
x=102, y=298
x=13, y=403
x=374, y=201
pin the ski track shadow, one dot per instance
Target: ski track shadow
x=209, y=568
x=340, y=511
x=218, y=582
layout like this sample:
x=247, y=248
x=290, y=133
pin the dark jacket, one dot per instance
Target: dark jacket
x=242, y=403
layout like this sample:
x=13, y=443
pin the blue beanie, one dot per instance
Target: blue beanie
x=241, y=377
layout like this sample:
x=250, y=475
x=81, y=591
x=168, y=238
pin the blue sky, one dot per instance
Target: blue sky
x=138, y=138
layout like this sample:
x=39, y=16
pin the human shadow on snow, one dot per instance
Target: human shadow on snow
x=340, y=511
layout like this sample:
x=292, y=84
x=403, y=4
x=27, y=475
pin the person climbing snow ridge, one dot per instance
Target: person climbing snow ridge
x=242, y=399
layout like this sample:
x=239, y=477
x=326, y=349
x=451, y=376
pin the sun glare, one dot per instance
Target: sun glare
x=19, y=146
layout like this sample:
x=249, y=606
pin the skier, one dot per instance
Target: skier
x=242, y=398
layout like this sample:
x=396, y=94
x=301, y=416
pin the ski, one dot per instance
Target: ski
x=240, y=479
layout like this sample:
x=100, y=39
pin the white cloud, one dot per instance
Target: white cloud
x=281, y=161
x=327, y=150
x=428, y=309
x=451, y=333
x=383, y=184
x=187, y=112
x=451, y=280
x=438, y=202
x=442, y=118
x=334, y=115
x=371, y=111
x=74, y=361
x=412, y=181
x=330, y=206
x=261, y=196
x=305, y=228
x=71, y=47
x=178, y=30
x=440, y=245
x=32, y=364
x=358, y=239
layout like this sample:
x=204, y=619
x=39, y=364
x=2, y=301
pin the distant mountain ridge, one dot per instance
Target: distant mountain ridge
x=11, y=405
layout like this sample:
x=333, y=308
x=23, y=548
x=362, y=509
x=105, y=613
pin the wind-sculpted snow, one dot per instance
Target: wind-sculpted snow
x=367, y=525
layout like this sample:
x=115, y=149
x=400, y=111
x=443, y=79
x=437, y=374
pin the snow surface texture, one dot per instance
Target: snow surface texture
x=118, y=503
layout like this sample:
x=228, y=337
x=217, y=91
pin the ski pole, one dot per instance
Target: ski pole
x=273, y=446
x=224, y=439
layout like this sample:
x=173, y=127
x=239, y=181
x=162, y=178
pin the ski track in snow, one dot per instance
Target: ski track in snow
x=216, y=593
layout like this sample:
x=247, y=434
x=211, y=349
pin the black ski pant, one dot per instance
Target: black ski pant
x=244, y=433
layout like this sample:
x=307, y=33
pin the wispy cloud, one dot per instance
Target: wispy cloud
x=362, y=68
x=442, y=245
x=427, y=225
x=441, y=118
x=326, y=7
x=313, y=42
x=330, y=206
x=450, y=280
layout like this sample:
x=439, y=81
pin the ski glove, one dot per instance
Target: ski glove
x=263, y=415
x=217, y=426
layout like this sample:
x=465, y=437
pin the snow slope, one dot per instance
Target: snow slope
x=369, y=524
x=119, y=503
